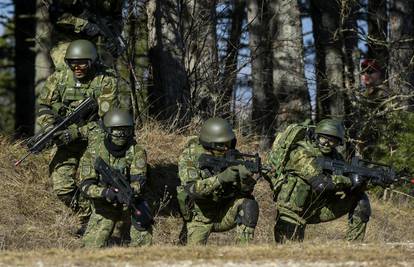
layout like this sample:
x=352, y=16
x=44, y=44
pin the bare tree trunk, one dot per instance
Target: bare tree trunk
x=401, y=76
x=377, y=31
x=264, y=104
x=202, y=57
x=329, y=58
x=289, y=83
x=136, y=58
x=169, y=93
x=43, y=62
x=238, y=14
x=25, y=31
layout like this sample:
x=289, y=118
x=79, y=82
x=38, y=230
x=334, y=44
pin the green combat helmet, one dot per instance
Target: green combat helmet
x=81, y=49
x=216, y=133
x=118, y=118
x=119, y=128
x=331, y=127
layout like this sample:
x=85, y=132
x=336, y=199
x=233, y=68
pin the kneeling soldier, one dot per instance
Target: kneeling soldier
x=210, y=200
x=114, y=150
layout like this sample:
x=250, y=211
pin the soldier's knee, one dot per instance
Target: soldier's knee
x=363, y=209
x=248, y=214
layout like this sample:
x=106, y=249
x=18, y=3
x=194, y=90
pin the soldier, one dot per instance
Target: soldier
x=306, y=194
x=116, y=146
x=372, y=107
x=99, y=21
x=372, y=78
x=62, y=93
x=215, y=202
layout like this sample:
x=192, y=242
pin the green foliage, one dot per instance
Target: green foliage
x=395, y=145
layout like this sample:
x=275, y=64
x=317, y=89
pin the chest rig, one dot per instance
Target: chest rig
x=73, y=92
x=121, y=164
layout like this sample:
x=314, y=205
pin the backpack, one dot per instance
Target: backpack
x=284, y=143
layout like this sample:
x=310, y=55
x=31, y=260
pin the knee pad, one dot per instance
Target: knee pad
x=248, y=213
x=362, y=209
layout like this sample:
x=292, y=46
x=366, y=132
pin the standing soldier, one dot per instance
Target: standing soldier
x=116, y=146
x=372, y=107
x=96, y=20
x=215, y=202
x=307, y=194
x=62, y=93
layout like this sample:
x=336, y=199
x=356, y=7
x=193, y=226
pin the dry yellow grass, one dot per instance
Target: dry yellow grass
x=292, y=255
x=31, y=217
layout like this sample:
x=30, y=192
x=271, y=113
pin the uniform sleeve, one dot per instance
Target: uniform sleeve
x=303, y=164
x=48, y=102
x=87, y=175
x=138, y=169
x=109, y=95
x=191, y=177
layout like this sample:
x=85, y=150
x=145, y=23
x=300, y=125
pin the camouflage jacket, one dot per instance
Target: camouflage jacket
x=71, y=17
x=62, y=94
x=210, y=194
x=302, y=164
x=133, y=165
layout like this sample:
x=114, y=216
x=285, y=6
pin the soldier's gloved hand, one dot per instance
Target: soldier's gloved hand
x=65, y=137
x=91, y=29
x=357, y=181
x=110, y=194
x=229, y=175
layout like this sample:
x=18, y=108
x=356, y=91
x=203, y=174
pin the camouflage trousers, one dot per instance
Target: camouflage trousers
x=103, y=222
x=227, y=218
x=297, y=206
x=63, y=169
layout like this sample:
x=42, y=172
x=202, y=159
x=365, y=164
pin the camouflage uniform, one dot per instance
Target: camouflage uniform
x=133, y=164
x=71, y=22
x=213, y=207
x=60, y=96
x=302, y=196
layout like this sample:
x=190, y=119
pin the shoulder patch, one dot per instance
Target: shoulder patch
x=86, y=170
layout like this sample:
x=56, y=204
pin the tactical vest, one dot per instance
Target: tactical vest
x=72, y=92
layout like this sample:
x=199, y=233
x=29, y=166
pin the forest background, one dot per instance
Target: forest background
x=260, y=63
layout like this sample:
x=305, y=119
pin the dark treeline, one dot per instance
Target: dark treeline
x=241, y=60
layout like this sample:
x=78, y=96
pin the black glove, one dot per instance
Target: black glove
x=357, y=181
x=229, y=175
x=111, y=195
x=91, y=29
x=65, y=137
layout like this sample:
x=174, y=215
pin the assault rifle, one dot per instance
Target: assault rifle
x=378, y=174
x=141, y=217
x=44, y=138
x=232, y=158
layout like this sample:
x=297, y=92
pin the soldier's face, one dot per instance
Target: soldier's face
x=371, y=78
x=79, y=67
x=121, y=135
x=327, y=143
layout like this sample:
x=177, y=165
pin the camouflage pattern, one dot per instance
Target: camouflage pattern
x=298, y=204
x=105, y=215
x=61, y=95
x=218, y=207
x=70, y=22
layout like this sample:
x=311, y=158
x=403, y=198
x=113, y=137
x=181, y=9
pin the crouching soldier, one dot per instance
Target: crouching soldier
x=210, y=200
x=305, y=193
x=113, y=174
